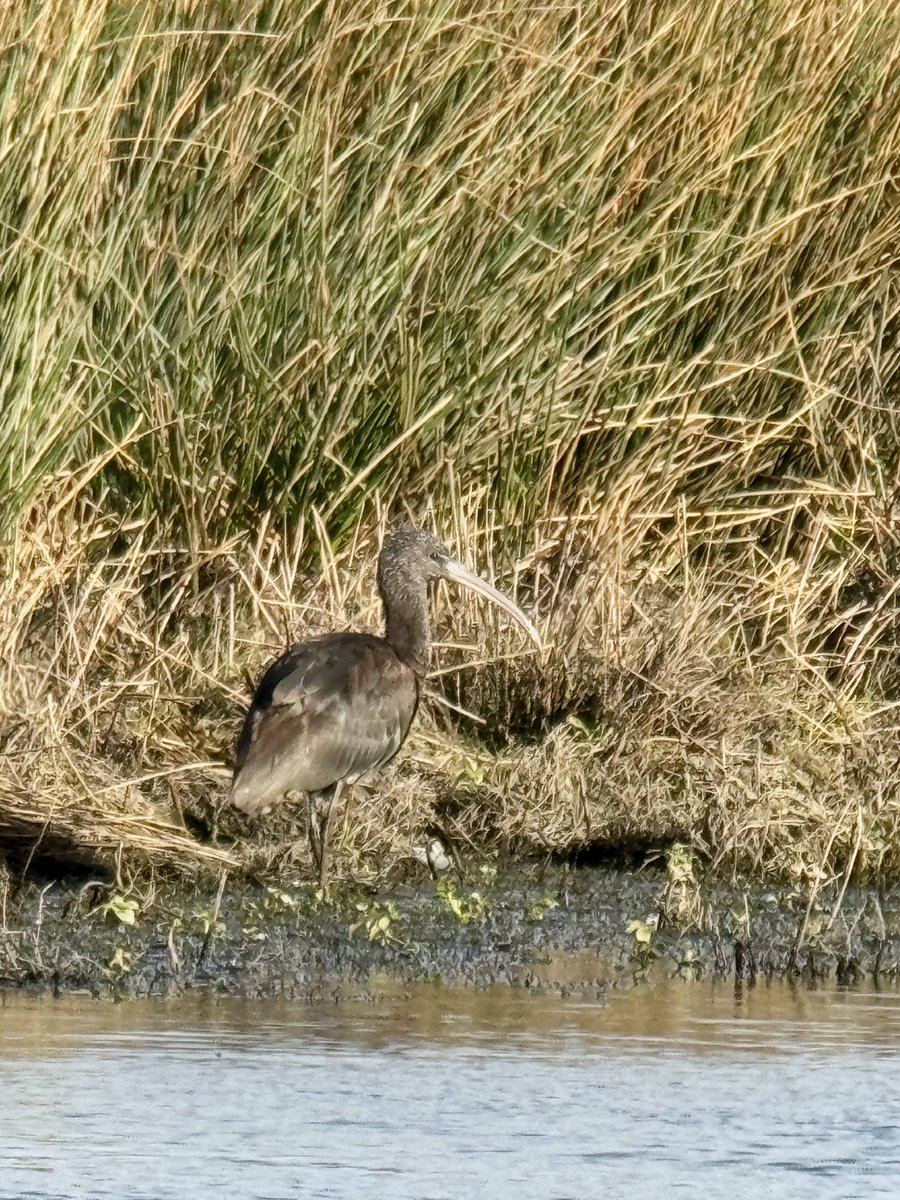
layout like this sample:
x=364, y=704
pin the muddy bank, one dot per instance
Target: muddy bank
x=563, y=930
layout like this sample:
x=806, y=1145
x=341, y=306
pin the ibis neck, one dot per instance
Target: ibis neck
x=406, y=621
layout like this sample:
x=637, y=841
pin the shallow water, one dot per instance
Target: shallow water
x=428, y=1093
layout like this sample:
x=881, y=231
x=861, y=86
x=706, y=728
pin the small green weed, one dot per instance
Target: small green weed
x=682, y=904
x=121, y=962
x=209, y=922
x=466, y=909
x=539, y=910
x=120, y=910
x=380, y=919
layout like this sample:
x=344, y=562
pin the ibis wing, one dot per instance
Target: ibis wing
x=327, y=710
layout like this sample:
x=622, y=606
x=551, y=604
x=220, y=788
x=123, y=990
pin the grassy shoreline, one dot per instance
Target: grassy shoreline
x=540, y=928
x=607, y=294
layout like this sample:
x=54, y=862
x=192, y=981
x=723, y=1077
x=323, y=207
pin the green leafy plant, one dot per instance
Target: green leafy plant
x=121, y=962
x=541, y=907
x=466, y=909
x=682, y=903
x=470, y=776
x=210, y=922
x=120, y=910
x=278, y=902
x=380, y=919
x=643, y=932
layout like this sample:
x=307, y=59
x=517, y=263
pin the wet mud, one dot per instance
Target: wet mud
x=561, y=930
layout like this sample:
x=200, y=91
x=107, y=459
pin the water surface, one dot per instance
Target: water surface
x=430, y=1093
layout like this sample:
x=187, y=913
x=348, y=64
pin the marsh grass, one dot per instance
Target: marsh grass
x=608, y=293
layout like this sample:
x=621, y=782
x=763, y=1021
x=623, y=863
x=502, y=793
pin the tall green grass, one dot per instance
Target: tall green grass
x=608, y=289
x=298, y=254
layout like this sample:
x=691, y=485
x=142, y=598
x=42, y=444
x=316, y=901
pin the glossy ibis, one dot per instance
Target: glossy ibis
x=336, y=707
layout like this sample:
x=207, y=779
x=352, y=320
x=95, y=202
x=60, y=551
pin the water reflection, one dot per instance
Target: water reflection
x=432, y=1092
x=704, y=1017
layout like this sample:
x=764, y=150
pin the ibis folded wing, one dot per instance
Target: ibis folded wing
x=327, y=710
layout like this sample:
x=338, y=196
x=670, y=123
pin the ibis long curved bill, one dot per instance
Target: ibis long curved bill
x=454, y=570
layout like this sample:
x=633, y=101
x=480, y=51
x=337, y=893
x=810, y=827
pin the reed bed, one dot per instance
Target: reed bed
x=605, y=292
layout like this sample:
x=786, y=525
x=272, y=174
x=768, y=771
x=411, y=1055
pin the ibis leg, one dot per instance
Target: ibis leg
x=322, y=812
x=314, y=802
x=327, y=825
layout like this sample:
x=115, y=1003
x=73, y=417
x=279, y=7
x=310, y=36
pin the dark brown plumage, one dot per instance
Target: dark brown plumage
x=334, y=708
